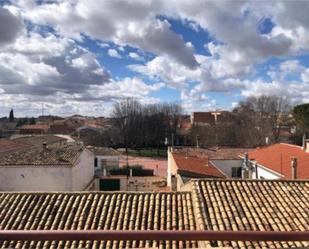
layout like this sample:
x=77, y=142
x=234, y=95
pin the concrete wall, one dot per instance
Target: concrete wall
x=83, y=170
x=171, y=167
x=136, y=183
x=226, y=165
x=264, y=173
x=48, y=178
x=36, y=178
x=112, y=162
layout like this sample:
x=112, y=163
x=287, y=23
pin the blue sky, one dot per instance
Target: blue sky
x=204, y=55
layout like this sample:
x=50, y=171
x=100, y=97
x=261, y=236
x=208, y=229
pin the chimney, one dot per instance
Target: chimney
x=294, y=167
x=44, y=145
x=304, y=143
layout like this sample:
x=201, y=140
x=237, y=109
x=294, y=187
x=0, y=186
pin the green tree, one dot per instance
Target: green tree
x=11, y=117
x=301, y=116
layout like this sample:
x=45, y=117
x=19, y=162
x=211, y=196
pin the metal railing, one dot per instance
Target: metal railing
x=56, y=235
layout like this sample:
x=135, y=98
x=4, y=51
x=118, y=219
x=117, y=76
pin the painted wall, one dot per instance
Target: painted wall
x=48, y=178
x=171, y=167
x=83, y=170
x=112, y=162
x=264, y=173
x=226, y=165
x=36, y=178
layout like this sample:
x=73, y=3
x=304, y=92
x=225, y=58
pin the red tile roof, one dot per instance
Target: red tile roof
x=9, y=145
x=214, y=153
x=35, y=127
x=277, y=157
x=195, y=165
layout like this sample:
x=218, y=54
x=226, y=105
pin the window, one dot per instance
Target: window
x=95, y=162
x=236, y=172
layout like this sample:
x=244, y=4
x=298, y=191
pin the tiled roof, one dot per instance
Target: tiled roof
x=60, y=155
x=38, y=140
x=195, y=165
x=35, y=127
x=10, y=145
x=252, y=205
x=103, y=151
x=214, y=153
x=97, y=210
x=277, y=157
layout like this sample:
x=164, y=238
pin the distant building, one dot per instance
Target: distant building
x=105, y=159
x=61, y=127
x=278, y=161
x=226, y=160
x=63, y=167
x=205, y=118
x=183, y=167
x=34, y=129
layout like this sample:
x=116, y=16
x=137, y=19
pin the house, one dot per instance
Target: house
x=278, y=161
x=34, y=129
x=227, y=160
x=183, y=167
x=46, y=167
x=205, y=204
x=61, y=127
x=206, y=118
x=105, y=159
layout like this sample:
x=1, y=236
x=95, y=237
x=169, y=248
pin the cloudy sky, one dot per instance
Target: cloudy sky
x=81, y=56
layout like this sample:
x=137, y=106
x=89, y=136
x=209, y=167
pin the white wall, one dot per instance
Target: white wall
x=83, y=170
x=35, y=178
x=264, y=173
x=226, y=165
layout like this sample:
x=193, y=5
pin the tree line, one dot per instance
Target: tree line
x=256, y=121
x=144, y=126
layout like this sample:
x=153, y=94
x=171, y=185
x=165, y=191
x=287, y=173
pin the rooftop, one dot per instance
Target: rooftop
x=213, y=205
x=195, y=165
x=97, y=210
x=52, y=155
x=7, y=145
x=38, y=140
x=103, y=151
x=250, y=205
x=35, y=127
x=223, y=153
x=277, y=157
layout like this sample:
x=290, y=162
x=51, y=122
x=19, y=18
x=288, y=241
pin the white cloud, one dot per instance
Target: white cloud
x=113, y=53
x=135, y=56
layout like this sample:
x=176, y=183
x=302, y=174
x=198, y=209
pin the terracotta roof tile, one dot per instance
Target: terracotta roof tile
x=214, y=153
x=11, y=145
x=97, y=210
x=53, y=155
x=252, y=205
x=277, y=157
x=195, y=165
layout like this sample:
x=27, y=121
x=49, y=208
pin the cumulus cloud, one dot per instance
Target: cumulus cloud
x=47, y=65
x=113, y=53
x=10, y=26
x=131, y=23
x=135, y=56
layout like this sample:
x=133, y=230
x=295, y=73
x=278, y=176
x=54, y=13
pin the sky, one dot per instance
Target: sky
x=83, y=56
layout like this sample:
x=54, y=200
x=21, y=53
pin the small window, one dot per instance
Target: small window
x=95, y=162
x=236, y=172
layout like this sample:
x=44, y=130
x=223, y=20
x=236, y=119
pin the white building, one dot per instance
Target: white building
x=66, y=167
x=105, y=159
x=278, y=161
